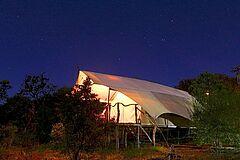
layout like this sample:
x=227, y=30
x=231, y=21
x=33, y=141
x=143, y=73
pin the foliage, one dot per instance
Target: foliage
x=185, y=85
x=40, y=116
x=17, y=111
x=7, y=135
x=57, y=133
x=216, y=115
x=4, y=86
x=31, y=110
x=80, y=115
x=225, y=80
x=36, y=86
x=236, y=70
x=45, y=118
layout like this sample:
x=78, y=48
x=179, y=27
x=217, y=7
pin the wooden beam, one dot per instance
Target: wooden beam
x=138, y=136
x=117, y=137
x=146, y=134
x=154, y=135
x=118, y=112
x=125, y=137
x=136, y=118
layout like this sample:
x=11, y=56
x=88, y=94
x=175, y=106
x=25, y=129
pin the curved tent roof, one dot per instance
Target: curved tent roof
x=156, y=99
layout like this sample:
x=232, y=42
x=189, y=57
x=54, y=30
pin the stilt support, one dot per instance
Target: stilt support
x=117, y=137
x=154, y=135
x=138, y=136
x=125, y=138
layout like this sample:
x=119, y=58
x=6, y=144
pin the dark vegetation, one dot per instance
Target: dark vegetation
x=40, y=114
x=69, y=120
x=216, y=111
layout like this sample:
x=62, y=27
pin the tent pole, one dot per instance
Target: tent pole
x=108, y=108
x=108, y=116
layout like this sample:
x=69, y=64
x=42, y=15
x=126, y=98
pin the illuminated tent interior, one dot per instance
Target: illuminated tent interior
x=139, y=101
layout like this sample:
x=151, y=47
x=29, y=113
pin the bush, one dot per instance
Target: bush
x=57, y=134
x=7, y=135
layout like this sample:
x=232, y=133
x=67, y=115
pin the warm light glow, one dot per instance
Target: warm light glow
x=101, y=91
x=114, y=78
x=127, y=114
x=207, y=93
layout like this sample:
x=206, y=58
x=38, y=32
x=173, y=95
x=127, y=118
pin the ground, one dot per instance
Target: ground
x=181, y=152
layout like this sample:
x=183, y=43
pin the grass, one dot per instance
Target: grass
x=50, y=146
x=145, y=152
x=2, y=150
x=187, y=152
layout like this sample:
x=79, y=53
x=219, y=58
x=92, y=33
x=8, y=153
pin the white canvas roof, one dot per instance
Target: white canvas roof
x=157, y=100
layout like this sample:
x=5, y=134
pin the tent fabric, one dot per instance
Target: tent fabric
x=155, y=99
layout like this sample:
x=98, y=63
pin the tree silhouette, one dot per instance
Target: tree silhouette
x=236, y=70
x=4, y=86
x=81, y=113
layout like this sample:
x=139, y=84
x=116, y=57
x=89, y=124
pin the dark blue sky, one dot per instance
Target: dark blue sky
x=163, y=41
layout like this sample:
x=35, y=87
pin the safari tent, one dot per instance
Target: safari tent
x=134, y=101
x=134, y=97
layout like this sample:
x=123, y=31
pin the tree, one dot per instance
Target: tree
x=228, y=82
x=36, y=86
x=236, y=70
x=17, y=113
x=7, y=132
x=40, y=116
x=216, y=113
x=185, y=85
x=4, y=86
x=45, y=118
x=80, y=114
x=31, y=110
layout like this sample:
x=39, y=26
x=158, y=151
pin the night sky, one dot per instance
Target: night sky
x=161, y=41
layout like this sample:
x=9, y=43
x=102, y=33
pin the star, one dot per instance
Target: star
x=163, y=39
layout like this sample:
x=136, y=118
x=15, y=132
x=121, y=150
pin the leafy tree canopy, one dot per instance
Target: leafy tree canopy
x=216, y=115
x=209, y=79
x=80, y=114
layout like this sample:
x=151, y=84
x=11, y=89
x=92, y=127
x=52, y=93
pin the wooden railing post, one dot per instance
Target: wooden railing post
x=136, y=118
x=118, y=112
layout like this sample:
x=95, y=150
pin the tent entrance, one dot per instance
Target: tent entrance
x=121, y=113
